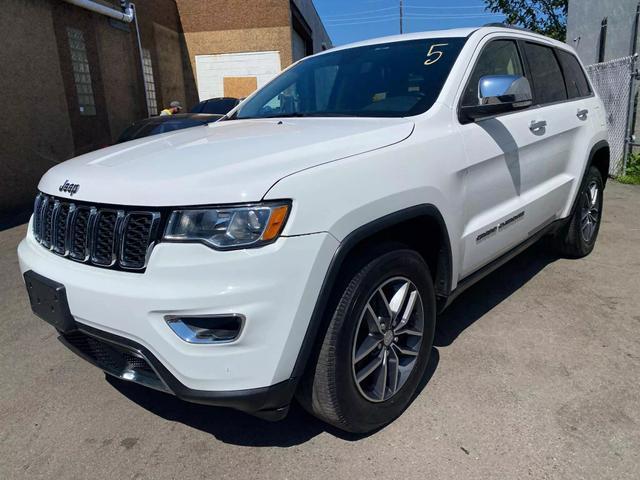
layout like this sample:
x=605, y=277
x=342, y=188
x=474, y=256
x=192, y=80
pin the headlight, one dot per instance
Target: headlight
x=229, y=227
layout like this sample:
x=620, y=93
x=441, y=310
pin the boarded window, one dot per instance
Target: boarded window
x=81, y=72
x=239, y=87
x=149, y=82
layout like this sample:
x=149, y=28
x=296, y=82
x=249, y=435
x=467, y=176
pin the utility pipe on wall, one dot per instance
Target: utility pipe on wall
x=124, y=16
x=140, y=56
x=128, y=15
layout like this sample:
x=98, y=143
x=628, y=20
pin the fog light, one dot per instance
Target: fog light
x=207, y=329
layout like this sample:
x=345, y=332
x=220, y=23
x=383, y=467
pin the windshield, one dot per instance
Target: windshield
x=390, y=80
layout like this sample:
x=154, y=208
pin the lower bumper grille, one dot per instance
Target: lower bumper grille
x=117, y=360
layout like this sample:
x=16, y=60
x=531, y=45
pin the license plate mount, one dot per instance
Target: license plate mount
x=49, y=301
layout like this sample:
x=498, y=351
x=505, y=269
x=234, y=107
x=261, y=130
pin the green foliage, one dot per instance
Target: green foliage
x=548, y=17
x=629, y=180
x=633, y=164
x=632, y=175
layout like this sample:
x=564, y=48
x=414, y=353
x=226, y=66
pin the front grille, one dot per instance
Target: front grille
x=119, y=238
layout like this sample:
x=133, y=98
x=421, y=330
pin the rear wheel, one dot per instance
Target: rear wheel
x=377, y=344
x=578, y=238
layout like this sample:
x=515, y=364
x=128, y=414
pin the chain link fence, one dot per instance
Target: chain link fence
x=613, y=82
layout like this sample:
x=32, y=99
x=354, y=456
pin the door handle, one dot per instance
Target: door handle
x=538, y=126
x=582, y=114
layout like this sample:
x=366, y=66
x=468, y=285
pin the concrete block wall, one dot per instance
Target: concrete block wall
x=211, y=70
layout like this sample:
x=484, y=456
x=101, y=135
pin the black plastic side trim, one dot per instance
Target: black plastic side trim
x=269, y=403
x=345, y=247
x=478, y=275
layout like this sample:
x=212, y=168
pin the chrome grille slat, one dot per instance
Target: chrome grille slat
x=102, y=236
x=47, y=222
x=37, y=216
x=43, y=208
x=59, y=229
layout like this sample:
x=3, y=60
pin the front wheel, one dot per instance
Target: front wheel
x=578, y=238
x=377, y=345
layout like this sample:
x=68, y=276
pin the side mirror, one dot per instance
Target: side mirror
x=499, y=94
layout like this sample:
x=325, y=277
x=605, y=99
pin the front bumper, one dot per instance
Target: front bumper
x=125, y=359
x=274, y=287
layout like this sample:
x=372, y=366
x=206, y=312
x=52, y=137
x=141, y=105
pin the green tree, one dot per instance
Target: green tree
x=548, y=17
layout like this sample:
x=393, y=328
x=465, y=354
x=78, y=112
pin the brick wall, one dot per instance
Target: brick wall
x=41, y=124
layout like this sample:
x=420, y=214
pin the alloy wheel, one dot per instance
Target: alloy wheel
x=388, y=339
x=590, y=211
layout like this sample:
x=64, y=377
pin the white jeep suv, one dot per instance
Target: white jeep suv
x=304, y=245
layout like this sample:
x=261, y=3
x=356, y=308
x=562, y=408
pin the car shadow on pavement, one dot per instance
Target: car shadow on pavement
x=482, y=297
x=298, y=427
x=237, y=428
x=227, y=425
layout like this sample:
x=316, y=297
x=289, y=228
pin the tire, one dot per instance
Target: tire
x=578, y=237
x=331, y=390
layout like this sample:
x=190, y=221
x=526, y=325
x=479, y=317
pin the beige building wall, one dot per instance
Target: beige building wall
x=214, y=27
x=236, y=27
x=239, y=41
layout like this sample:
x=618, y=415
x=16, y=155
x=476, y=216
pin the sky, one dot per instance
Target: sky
x=352, y=20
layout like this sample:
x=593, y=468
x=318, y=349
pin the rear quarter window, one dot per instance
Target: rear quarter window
x=548, y=81
x=576, y=79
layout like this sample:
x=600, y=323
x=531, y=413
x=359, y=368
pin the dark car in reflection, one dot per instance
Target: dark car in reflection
x=218, y=106
x=167, y=123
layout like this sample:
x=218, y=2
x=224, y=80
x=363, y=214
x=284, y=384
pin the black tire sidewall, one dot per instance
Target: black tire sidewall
x=585, y=246
x=362, y=414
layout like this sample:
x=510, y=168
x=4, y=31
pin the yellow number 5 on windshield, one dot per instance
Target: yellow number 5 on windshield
x=437, y=54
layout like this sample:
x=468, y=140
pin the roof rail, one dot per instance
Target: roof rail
x=507, y=25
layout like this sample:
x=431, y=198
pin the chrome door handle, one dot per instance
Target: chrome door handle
x=537, y=126
x=582, y=114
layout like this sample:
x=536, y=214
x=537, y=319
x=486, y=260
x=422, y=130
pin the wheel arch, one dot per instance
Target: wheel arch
x=436, y=250
x=600, y=157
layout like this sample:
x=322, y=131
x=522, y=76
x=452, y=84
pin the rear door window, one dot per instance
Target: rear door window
x=577, y=84
x=548, y=82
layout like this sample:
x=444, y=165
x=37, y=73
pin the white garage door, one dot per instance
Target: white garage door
x=211, y=70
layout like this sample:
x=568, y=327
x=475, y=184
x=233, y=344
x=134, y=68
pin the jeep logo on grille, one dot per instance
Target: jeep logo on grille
x=71, y=188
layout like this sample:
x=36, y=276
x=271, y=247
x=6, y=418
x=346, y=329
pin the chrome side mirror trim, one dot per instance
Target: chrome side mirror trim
x=499, y=94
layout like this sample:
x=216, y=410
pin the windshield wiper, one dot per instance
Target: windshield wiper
x=296, y=115
x=286, y=115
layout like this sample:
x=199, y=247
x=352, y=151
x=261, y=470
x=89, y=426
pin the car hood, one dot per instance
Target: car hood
x=225, y=162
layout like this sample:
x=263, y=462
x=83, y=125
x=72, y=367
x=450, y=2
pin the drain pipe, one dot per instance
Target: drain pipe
x=132, y=7
x=126, y=15
x=630, y=140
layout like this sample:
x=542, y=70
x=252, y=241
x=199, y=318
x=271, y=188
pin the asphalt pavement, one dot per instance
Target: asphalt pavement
x=535, y=374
